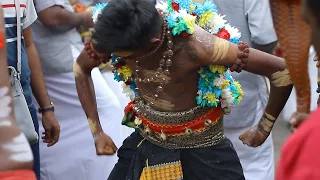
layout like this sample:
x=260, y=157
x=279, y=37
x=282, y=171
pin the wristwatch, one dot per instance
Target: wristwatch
x=48, y=108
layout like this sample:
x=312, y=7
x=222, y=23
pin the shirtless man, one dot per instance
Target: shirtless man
x=15, y=152
x=136, y=33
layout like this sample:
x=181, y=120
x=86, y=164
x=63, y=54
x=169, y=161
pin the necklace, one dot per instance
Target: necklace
x=164, y=64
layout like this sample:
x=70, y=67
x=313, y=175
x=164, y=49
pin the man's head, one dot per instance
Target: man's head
x=311, y=14
x=127, y=25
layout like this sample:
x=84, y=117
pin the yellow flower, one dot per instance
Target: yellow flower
x=125, y=70
x=226, y=83
x=203, y=75
x=238, y=86
x=211, y=98
x=205, y=18
x=190, y=22
x=192, y=7
x=219, y=69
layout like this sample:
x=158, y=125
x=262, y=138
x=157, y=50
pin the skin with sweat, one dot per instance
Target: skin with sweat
x=190, y=53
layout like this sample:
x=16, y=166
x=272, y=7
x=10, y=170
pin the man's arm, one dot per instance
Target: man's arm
x=50, y=123
x=258, y=63
x=61, y=20
x=266, y=65
x=82, y=70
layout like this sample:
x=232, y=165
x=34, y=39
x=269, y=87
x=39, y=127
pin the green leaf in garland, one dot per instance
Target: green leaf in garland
x=170, y=8
x=128, y=120
x=179, y=27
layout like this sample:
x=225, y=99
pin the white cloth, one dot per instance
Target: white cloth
x=257, y=163
x=291, y=105
x=122, y=98
x=74, y=156
x=254, y=21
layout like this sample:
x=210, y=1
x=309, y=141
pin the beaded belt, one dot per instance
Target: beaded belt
x=205, y=129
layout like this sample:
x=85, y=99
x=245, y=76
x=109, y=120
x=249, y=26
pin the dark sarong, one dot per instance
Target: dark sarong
x=219, y=162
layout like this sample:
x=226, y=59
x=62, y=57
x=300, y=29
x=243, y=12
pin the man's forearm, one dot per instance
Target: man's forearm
x=280, y=86
x=87, y=98
x=277, y=99
x=274, y=68
x=60, y=20
x=37, y=82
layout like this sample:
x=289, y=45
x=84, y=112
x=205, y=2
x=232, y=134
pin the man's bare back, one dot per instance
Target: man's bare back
x=179, y=93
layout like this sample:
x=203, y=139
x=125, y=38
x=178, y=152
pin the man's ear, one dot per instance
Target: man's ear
x=155, y=41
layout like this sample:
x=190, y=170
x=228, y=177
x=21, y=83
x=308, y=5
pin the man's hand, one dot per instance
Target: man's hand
x=105, y=145
x=51, y=127
x=87, y=19
x=58, y=19
x=254, y=137
x=297, y=119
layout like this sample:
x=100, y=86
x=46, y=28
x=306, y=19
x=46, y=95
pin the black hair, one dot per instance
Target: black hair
x=126, y=25
x=314, y=6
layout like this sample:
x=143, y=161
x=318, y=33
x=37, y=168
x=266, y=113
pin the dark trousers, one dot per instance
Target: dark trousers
x=34, y=147
x=219, y=162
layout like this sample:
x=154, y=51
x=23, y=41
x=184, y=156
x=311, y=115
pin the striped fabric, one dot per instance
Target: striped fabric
x=9, y=10
x=28, y=16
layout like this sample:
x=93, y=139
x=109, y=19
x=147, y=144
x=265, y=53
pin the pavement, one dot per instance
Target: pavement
x=280, y=134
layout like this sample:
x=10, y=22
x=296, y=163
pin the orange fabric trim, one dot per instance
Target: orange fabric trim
x=18, y=175
x=2, y=42
x=198, y=124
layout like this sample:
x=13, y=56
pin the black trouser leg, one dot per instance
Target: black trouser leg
x=219, y=162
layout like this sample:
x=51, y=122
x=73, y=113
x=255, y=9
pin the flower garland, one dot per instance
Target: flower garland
x=216, y=85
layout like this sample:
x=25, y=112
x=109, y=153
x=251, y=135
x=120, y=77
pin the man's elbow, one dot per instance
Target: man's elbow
x=51, y=17
x=77, y=70
x=80, y=67
x=53, y=23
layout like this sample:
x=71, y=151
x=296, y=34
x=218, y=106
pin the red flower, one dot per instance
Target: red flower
x=129, y=107
x=224, y=34
x=185, y=34
x=128, y=83
x=175, y=6
x=195, y=14
x=118, y=65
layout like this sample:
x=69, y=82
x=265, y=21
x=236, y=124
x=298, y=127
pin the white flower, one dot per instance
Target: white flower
x=199, y=93
x=183, y=13
x=5, y=101
x=128, y=91
x=234, y=32
x=218, y=81
x=162, y=6
x=228, y=72
x=97, y=10
x=216, y=23
x=95, y=16
x=226, y=98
